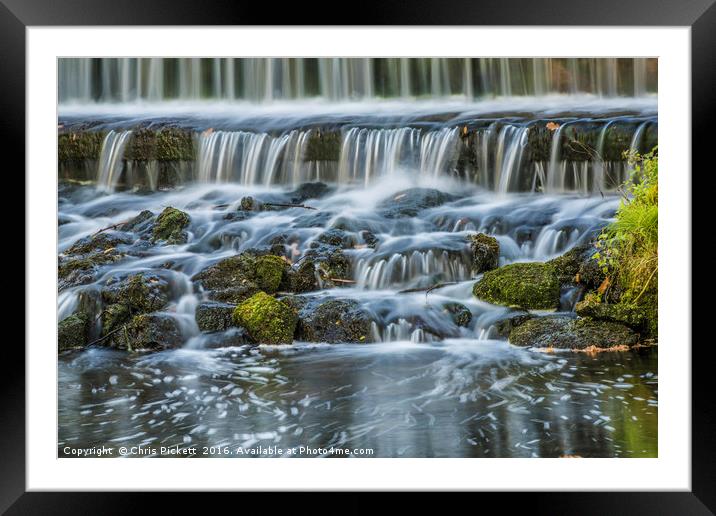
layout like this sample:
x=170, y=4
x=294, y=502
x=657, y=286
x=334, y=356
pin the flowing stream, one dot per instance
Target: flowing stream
x=423, y=386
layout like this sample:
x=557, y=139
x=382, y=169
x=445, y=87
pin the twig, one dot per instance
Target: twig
x=113, y=226
x=97, y=341
x=282, y=205
x=427, y=290
x=338, y=280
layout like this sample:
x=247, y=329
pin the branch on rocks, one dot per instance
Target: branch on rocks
x=338, y=280
x=282, y=205
x=427, y=290
x=113, y=226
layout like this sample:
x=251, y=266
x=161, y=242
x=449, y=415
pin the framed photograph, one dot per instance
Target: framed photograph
x=417, y=247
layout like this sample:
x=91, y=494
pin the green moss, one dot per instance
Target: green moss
x=485, y=252
x=526, y=285
x=72, y=332
x=323, y=146
x=170, y=226
x=114, y=316
x=165, y=144
x=234, y=279
x=270, y=271
x=79, y=146
x=85, y=263
x=266, y=319
x=630, y=315
x=566, y=332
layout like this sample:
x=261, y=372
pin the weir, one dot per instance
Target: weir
x=344, y=79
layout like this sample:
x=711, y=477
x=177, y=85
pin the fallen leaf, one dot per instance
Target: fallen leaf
x=604, y=286
x=552, y=126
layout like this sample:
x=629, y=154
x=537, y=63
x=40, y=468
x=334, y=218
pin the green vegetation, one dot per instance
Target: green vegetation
x=170, y=226
x=628, y=248
x=266, y=319
x=525, y=285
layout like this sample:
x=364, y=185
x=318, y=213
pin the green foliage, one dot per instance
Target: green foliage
x=628, y=248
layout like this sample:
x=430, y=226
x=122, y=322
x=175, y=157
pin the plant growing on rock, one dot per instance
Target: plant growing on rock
x=628, y=248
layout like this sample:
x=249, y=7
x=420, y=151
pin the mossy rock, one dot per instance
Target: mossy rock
x=634, y=316
x=154, y=332
x=459, y=313
x=533, y=286
x=140, y=223
x=568, y=332
x=72, y=332
x=211, y=316
x=170, y=225
x=266, y=319
x=130, y=296
x=165, y=144
x=98, y=242
x=302, y=278
x=485, y=252
x=79, y=146
x=79, y=270
x=330, y=263
x=323, y=146
x=237, y=278
x=334, y=321
x=569, y=264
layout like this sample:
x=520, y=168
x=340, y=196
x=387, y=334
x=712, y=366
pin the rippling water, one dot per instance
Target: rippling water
x=458, y=398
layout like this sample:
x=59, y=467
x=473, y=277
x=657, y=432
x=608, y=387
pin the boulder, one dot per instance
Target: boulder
x=266, y=319
x=570, y=332
x=156, y=332
x=459, y=313
x=302, y=277
x=79, y=270
x=532, y=286
x=333, y=321
x=307, y=191
x=408, y=203
x=99, y=242
x=132, y=295
x=485, y=252
x=330, y=263
x=211, y=316
x=236, y=278
x=72, y=332
x=139, y=224
x=170, y=225
x=633, y=316
x=511, y=320
x=337, y=238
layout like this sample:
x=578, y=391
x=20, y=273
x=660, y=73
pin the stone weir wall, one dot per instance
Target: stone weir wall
x=164, y=154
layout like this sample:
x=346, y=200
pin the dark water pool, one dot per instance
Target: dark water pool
x=461, y=398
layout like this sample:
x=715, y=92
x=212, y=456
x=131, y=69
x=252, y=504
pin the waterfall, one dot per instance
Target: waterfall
x=370, y=153
x=251, y=158
x=410, y=269
x=342, y=79
x=111, y=159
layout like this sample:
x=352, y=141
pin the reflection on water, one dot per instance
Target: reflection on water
x=458, y=398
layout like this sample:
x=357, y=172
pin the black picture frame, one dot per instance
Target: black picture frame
x=700, y=15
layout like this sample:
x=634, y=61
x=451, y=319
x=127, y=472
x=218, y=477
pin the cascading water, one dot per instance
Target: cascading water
x=340, y=79
x=110, y=160
x=417, y=155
